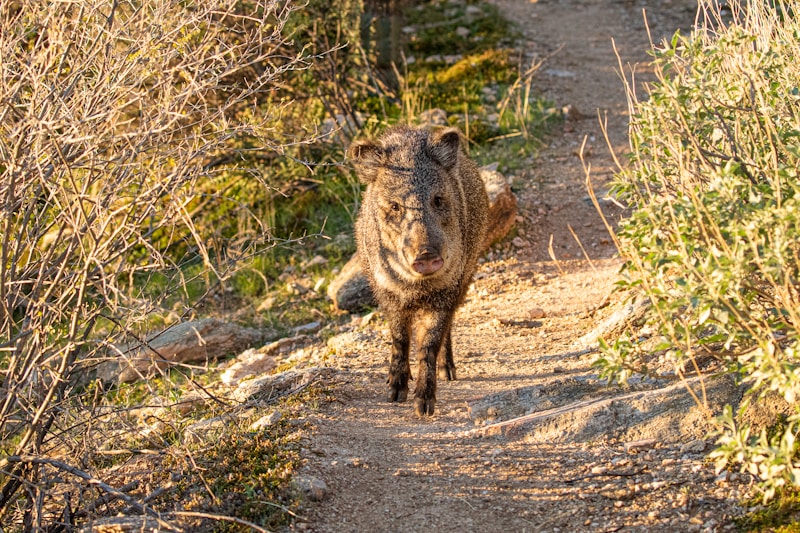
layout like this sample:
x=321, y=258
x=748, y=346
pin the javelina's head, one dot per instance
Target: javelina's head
x=414, y=195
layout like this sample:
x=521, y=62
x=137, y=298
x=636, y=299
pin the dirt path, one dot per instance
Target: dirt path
x=388, y=471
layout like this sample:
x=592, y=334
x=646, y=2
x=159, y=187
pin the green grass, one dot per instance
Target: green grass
x=248, y=475
x=438, y=21
x=310, y=209
x=781, y=515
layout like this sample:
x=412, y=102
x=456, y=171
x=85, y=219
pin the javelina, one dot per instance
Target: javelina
x=419, y=232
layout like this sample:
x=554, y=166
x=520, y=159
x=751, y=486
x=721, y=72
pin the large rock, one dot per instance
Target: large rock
x=502, y=206
x=511, y=404
x=666, y=413
x=350, y=291
x=187, y=342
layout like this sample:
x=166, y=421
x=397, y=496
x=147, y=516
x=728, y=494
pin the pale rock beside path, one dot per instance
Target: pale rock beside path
x=311, y=487
x=269, y=387
x=187, y=342
x=248, y=363
x=644, y=414
x=259, y=361
x=350, y=290
x=267, y=420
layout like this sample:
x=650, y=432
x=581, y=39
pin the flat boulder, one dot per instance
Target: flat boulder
x=186, y=342
x=666, y=413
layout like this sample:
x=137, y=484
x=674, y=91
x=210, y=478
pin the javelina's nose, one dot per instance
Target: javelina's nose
x=428, y=262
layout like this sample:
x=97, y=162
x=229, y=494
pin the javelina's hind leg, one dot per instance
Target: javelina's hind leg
x=434, y=327
x=447, y=367
x=399, y=366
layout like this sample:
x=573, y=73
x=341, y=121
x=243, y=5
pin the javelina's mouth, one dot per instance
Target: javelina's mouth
x=427, y=264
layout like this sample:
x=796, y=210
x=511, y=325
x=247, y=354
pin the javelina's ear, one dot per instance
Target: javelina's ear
x=444, y=146
x=367, y=157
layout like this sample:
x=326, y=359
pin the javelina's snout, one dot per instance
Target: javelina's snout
x=429, y=261
x=424, y=245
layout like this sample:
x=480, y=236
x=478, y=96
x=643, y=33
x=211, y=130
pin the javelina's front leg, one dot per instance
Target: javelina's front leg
x=399, y=366
x=447, y=367
x=434, y=327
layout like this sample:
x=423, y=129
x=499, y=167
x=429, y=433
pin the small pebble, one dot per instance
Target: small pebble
x=536, y=313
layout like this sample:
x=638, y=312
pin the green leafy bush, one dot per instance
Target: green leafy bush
x=714, y=240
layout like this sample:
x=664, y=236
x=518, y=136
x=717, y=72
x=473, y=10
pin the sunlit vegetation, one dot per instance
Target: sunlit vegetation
x=713, y=240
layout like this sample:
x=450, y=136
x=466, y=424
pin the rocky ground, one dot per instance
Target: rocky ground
x=582, y=457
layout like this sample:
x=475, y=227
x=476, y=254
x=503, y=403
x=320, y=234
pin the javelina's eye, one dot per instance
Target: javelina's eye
x=438, y=201
x=394, y=206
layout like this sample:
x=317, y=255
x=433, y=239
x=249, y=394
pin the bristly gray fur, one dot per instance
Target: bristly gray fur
x=419, y=232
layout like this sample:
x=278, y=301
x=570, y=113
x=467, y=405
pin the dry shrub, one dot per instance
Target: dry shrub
x=113, y=118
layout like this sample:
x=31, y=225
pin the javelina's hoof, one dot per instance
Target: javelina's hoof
x=447, y=372
x=424, y=407
x=397, y=393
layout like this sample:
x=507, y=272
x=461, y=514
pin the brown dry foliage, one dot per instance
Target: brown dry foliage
x=112, y=114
